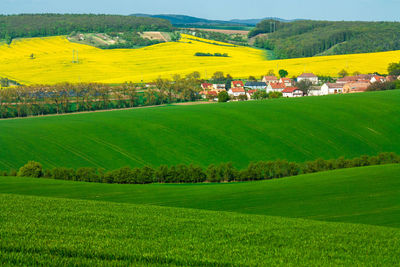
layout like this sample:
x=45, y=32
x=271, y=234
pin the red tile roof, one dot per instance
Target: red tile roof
x=270, y=78
x=278, y=85
x=290, y=89
x=238, y=90
x=237, y=83
x=206, y=85
x=308, y=75
x=335, y=85
x=252, y=91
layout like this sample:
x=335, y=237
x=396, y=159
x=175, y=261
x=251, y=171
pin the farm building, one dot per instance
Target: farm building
x=292, y=92
x=357, y=78
x=256, y=85
x=332, y=88
x=356, y=87
x=308, y=76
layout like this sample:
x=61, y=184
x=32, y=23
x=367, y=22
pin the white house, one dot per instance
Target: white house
x=308, y=76
x=275, y=87
x=218, y=86
x=332, y=88
x=236, y=91
x=292, y=92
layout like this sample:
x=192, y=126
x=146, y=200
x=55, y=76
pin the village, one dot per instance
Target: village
x=307, y=84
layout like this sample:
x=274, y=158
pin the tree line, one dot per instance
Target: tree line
x=39, y=25
x=310, y=38
x=37, y=100
x=223, y=172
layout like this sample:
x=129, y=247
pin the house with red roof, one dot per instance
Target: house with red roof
x=212, y=95
x=292, y=92
x=270, y=79
x=308, y=76
x=276, y=87
x=377, y=78
x=206, y=86
x=236, y=91
x=250, y=93
x=287, y=81
x=237, y=84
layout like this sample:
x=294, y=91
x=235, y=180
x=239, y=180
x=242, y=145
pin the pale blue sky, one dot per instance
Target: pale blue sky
x=387, y=10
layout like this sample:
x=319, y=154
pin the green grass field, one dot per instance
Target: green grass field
x=59, y=232
x=368, y=195
x=293, y=129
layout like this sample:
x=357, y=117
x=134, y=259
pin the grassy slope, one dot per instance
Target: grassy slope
x=368, y=195
x=45, y=231
x=294, y=129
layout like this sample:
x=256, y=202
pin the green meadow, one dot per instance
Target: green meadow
x=60, y=223
x=368, y=195
x=241, y=132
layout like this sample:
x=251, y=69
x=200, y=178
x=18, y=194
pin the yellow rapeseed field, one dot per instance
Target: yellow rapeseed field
x=52, y=61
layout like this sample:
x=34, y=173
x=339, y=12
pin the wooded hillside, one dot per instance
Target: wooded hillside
x=38, y=25
x=311, y=38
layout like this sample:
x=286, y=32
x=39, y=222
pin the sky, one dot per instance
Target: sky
x=382, y=10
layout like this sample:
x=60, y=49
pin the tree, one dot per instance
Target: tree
x=31, y=169
x=259, y=95
x=271, y=73
x=283, y=73
x=218, y=77
x=252, y=78
x=343, y=73
x=394, y=69
x=223, y=96
x=242, y=97
x=356, y=73
x=32, y=56
x=305, y=86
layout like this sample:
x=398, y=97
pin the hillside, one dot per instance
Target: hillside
x=367, y=195
x=53, y=61
x=72, y=232
x=240, y=132
x=310, y=38
x=35, y=25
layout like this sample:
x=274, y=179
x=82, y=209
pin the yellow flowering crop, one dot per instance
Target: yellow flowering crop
x=53, y=56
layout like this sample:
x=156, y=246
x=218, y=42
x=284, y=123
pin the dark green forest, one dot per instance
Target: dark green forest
x=311, y=38
x=39, y=25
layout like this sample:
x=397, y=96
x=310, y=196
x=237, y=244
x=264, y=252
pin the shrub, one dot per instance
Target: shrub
x=61, y=173
x=87, y=174
x=31, y=169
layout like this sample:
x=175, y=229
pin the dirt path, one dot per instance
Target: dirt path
x=108, y=110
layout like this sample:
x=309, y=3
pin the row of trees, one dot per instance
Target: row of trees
x=39, y=100
x=224, y=172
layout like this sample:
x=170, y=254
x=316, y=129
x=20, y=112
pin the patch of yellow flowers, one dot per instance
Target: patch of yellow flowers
x=50, y=60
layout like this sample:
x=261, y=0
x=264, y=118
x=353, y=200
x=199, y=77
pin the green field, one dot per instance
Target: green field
x=293, y=129
x=368, y=195
x=47, y=222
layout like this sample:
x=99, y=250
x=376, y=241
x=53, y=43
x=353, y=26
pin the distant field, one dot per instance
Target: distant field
x=53, y=61
x=44, y=231
x=368, y=195
x=241, y=132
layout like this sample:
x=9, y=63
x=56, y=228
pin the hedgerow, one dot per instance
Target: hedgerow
x=216, y=173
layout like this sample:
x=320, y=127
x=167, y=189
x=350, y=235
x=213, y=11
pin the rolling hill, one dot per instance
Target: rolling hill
x=366, y=195
x=238, y=132
x=46, y=231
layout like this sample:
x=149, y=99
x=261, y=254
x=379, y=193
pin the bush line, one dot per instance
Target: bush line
x=224, y=172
